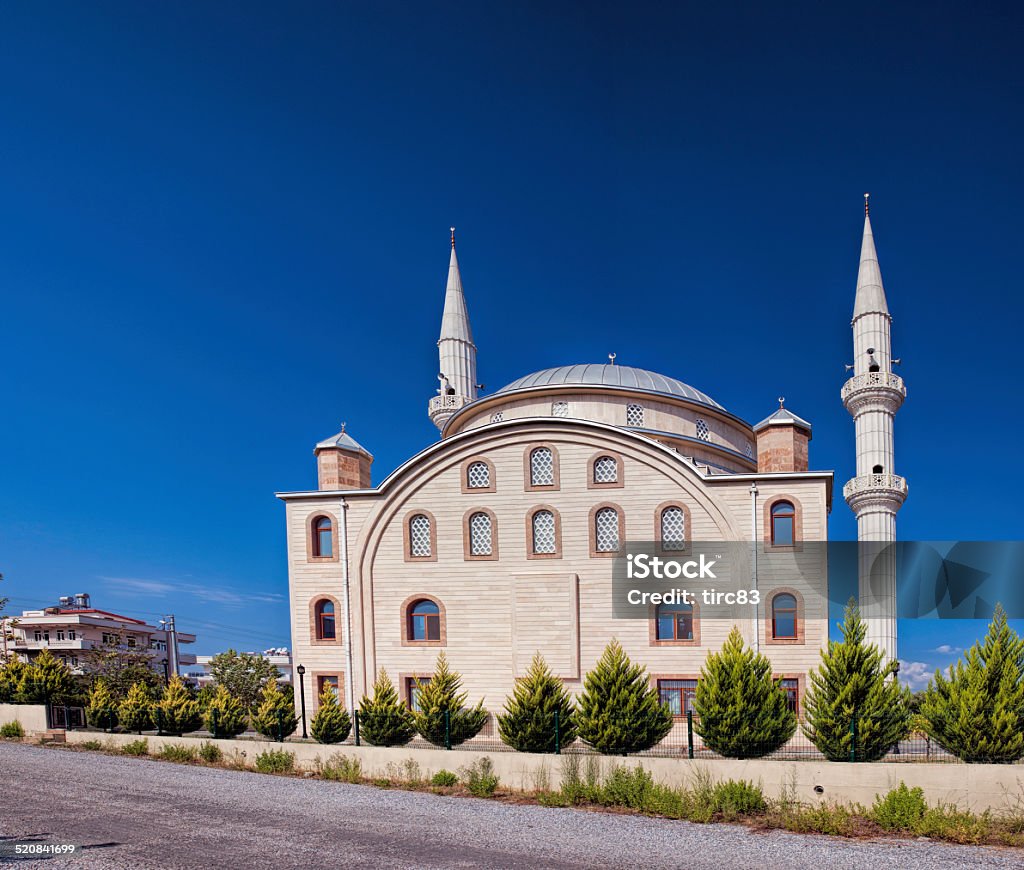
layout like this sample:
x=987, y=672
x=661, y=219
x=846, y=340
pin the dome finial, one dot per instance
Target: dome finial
x=343, y=425
x=453, y=236
x=611, y=358
x=866, y=195
x=782, y=402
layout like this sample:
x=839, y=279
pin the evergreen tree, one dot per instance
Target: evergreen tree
x=442, y=693
x=331, y=724
x=101, y=711
x=275, y=716
x=224, y=715
x=619, y=711
x=46, y=680
x=177, y=712
x=384, y=720
x=135, y=712
x=855, y=685
x=977, y=713
x=528, y=723
x=742, y=711
x=10, y=679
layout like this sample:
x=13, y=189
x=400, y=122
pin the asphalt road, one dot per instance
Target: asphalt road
x=141, y=813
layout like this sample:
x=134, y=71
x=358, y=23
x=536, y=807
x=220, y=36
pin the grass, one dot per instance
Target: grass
x=12, y=731
x=586, y=782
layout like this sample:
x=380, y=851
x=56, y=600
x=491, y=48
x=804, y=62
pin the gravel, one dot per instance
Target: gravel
x=142, y=813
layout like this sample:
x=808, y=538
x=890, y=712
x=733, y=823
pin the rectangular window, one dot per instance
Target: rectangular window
x=782, y=531
x=74, y=661
x=328, y=681
x=131, y=642
x=60, y=635
x=38, y=635
x=72, y=635
x=678, y=695
x=413, y=687
x=792, y=689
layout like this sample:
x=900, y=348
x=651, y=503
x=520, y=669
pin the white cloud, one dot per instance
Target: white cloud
x=915, y=675
x=206, y=594
x=946, y=649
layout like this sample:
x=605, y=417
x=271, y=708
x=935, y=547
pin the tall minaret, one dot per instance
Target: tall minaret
x=873, y=395
x=457, y=374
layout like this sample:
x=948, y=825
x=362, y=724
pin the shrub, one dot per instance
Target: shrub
x=91, y=745
x=978, y=713
x=384, y=720
x=135, y=712
x=528, y=723
x=742, y=711
x=210, y=752
x=136, y=747
x=275, y=717
x=225, y=715
x=101, y=711
x=666, y=801
x=440, y=696
x=627, y=787
x=331, y=724
x=44, y=681
x=444, y=779
x=341, y=768
x=735, y=797
x=177, y=712
x=480, y=778
x=179, y=752
x=901, y=809
x=855, y=684
x=12, y=731
x=275, y=761
x=946, y=822
x=619, y=711
x=835, y=820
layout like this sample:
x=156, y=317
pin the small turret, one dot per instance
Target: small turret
x=782, y=440
x=342, y=463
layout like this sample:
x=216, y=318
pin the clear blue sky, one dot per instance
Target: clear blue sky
x=224, y=229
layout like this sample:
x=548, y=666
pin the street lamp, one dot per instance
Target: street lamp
x=301, y=671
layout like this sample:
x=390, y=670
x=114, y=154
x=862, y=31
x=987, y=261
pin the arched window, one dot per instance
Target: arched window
x=543, y=538
x=673, y=528
x=420, y=544
x=478, y=475
x=481, y=534
x=784, y=617
x=542, y=467
x=783, y=524
x=606, y=530
x=324, y=620
x=424, y=621
x=703, y=433
x=674, y=622
x=497, y=417
x=634, y=415
x=559, y=409
x=323, y=538
x=606, y=469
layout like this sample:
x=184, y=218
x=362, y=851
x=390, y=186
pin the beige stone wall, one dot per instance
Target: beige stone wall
x=31, y=716
x=498, y=612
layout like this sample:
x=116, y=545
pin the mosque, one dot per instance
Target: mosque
x=499, y=539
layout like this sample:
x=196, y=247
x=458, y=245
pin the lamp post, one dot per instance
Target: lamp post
x=301, y=671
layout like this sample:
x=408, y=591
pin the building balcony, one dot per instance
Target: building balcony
x=874, y=381
x=876, y=484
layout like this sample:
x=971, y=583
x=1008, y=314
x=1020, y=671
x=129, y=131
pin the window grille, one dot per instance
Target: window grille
x=607, y=530
x=478, y=475
x=419, y=535
x=480, y=534
x=606, y=470
x=543, y=532
x=673, y=529
x=542, y=467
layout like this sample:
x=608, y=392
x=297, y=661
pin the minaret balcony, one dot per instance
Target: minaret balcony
x=449, y=403
x=873, y=381
x=890, y=486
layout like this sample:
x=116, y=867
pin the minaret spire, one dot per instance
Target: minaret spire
x=873, y=395
x=456, y=351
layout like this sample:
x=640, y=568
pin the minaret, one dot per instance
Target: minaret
x=873, y=395
x=457, y=373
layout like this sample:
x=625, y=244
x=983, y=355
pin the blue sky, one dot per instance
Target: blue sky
x=224, y=230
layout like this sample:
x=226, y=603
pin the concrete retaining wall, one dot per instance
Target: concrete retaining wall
x=31, y=716
x=970, y=786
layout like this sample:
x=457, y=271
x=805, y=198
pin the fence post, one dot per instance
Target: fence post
x=355, y=718
x=159, y=722
x=280, y=727
x=213, y=722
x=110, y=714
x=558, y=740
x=853, y=736
x=689, y=733
x=447, y=729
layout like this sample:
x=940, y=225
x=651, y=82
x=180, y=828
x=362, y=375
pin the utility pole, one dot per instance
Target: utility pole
x=172, y=643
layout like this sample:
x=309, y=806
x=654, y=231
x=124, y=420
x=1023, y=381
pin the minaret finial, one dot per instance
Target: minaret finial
x=782, y=402
x=611, y=358
x=453, y=236
x=866, y=195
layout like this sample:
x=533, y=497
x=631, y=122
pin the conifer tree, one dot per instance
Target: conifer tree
x=46, y=680
x=275, y=716
x=442, y=693
x=10, y=679
x=384, y=720
x=101, y=711
x=135, y=712
x=331, y=724
x=854, y=700
x=528, y=723
x=977, y=713
x=742, y=710
x=224, y=715
x=177, y=712
x=619, y=711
